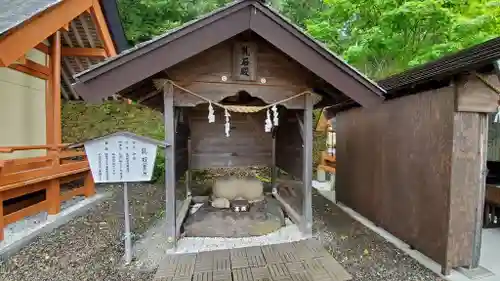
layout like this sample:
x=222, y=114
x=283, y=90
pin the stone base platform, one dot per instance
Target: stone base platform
x=264, y=217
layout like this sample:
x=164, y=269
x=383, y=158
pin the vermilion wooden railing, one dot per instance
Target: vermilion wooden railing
x=328, y=162
x=19, y=177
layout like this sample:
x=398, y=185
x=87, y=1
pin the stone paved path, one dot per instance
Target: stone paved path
x=304, y=260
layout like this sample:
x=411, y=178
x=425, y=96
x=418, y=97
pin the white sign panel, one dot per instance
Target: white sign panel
x=121, y=159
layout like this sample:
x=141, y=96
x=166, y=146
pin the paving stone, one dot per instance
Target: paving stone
x=317, y=271
x=158, y=278
x=222, y=264
x=222, y=276
x=278, y=271
x=238, y=258
x=295, y=267
x=334, y=269
x=242, y=274
x=185, y=266
x=270, y=254
x=187, y=278
x=301, y=250
x=204, y=262
x=286, y=253
x=316, y=248
x=202, y=276
x=301, y=276
x=304, y=261
x=255, y=257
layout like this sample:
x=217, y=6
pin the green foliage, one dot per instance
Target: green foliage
x=383, y=37
x=82, y=121
x=144, y=19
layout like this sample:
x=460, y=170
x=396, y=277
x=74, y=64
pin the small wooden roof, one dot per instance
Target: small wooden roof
x=152, y=57
x=26, y=24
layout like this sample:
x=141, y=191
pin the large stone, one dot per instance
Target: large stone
x=264, y=217
x=221, y=203
x=232, y=188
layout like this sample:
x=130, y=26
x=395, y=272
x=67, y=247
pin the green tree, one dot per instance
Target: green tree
x=144, y=19
x=383, y=37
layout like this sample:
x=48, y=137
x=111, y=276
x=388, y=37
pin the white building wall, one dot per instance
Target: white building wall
x=22, y=108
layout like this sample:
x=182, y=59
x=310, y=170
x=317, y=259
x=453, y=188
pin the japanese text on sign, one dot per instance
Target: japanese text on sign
x=121, y=159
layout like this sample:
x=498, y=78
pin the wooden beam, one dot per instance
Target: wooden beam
x=28, y=69
x=28, y=35
x=83, y=52
x=65, y=27
x=42, y=48
x=102, y=28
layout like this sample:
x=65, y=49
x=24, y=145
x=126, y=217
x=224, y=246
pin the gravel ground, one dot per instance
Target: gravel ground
x=90, y=248
x=363, y=253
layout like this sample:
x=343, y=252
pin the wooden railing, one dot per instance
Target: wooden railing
x=27, y=176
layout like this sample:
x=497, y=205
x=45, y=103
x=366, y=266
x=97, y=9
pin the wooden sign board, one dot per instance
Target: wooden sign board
x=121, y=158
x=245, y=61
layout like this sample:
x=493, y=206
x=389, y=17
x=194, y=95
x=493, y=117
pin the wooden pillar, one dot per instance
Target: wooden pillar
x=481, y=194
x=274, y=169
x=188, y=172
x=53, y=197
x=54, y=93
x=170, y=209
x=307, y=168
x=89, y=185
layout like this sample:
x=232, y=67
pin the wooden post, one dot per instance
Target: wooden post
x=55, y=87
x=188, y=172
x=1, y=218
x=274, y=169
x=307, y=165
x=53, y=196
x=481, y=194
x=170, y=210
x=89, y=185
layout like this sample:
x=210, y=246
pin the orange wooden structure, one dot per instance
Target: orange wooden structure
x=328, y=160
x=73, y=35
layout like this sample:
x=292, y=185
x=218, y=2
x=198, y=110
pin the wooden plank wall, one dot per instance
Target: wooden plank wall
x=181, y=143
x=248, y=144
x=394, y=167
x=203, y=74
x=289, y=143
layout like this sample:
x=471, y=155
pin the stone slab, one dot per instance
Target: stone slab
x=299, y=261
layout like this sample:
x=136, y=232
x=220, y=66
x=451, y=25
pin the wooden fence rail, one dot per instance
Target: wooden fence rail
x=22, y=179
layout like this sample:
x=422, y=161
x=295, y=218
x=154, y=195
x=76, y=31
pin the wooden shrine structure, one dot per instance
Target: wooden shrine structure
x=237, y=88
x=42, y=45
x=416, y=164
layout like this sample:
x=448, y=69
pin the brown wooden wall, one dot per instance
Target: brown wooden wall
x=289, y=143
x=394, y=166
x=181, y=142
x=203, y=74
x=248, y=144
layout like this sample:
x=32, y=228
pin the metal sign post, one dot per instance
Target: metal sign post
x=128, y=239
x=122, y=158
